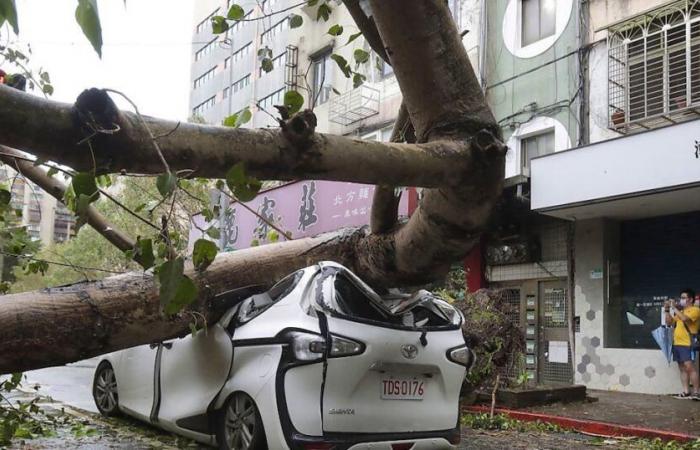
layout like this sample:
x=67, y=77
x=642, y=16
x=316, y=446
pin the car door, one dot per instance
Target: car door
x=192, y=372
x=135, y=375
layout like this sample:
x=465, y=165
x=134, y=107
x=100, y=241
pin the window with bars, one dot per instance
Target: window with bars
x=654, y=68
x=206, y=104
x=208, y=75
x=206, y=50
x=538, y=20
x=201, y=26
x=240, y=84
x=275, y=29
x=276, y=98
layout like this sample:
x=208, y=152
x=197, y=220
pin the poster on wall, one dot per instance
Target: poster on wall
x=558, y=352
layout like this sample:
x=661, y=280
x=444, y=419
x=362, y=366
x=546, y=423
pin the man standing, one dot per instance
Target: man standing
x=686, y=322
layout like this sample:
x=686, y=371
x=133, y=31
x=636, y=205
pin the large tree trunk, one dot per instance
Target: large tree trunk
x=458, y=157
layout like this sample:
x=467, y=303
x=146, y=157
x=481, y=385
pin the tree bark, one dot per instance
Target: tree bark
x=54, y=131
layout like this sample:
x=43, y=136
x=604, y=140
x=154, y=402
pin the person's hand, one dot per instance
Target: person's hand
x=669, y=303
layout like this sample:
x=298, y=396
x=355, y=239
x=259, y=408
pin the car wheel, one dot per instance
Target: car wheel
x=104, y=390
x=239, y=425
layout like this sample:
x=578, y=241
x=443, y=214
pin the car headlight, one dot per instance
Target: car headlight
x=307, y=346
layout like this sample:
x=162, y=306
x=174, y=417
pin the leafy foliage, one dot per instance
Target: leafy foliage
x=204, y=253
x=244, y=188
x=293, y=101
x=88, y=18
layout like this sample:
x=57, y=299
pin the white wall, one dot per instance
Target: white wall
x=650, y=161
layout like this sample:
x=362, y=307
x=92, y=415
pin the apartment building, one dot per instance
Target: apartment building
x=227, y=77
x=632, y=193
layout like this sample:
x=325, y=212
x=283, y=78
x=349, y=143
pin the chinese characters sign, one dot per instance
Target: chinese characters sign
x=302, y=209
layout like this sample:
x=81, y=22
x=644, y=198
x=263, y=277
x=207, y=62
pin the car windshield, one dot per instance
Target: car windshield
x=253, y=306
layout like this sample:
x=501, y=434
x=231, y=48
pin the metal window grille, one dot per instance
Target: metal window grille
x=554, y=314
x=654, y=68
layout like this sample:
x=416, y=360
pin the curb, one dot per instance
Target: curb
x=587, y=426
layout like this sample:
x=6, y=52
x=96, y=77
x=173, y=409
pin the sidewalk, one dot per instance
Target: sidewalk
x=620, y=413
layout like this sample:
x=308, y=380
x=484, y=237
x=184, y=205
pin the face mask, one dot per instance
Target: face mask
x=683, y=302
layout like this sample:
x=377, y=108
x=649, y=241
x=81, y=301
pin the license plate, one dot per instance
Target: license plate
x=403, y=388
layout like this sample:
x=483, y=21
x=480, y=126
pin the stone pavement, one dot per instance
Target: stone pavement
x=658, y=412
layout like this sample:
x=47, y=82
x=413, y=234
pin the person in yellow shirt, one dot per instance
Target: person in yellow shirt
x=686, y=323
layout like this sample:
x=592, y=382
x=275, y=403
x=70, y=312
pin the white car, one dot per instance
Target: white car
x=319, y=361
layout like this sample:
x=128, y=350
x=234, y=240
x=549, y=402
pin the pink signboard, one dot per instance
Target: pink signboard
x=304, y=208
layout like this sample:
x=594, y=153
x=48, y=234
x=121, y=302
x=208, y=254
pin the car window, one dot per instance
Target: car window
x=255, y=305
x=353, y=302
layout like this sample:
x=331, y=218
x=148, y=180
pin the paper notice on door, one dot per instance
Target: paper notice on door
x=558, y=352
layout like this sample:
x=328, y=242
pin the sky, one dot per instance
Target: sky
x=146, y=51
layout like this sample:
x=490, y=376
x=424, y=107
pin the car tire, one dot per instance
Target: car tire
x=234, y=432
x=104, y=390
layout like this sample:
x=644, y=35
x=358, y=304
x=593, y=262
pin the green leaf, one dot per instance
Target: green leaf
x=166, y=183
x=186, y=294
x=213, y=233
x=89, y=20
x=293, y=101
x=104, y=181
x=235, y=12
x=311, y=2
x=5, y=197
x=204, y=253
x=84, y=183
x=176, y=290
x=324, y=12
x=336, y=91
x=343, y=64
x=244, y=188
x=143, y=253
x=38, y=161
x=295, y=21
x=360, y=56
x=219, y=25
x=231, y=120
x=267, y=65
x=52, y=171
x=244, y=117
x=220, y=184
x=265, y=52
x=47, y=89
x=353, y=37
x=358, y=79
x=8, y=11
x=335, y=30
x=273, y=236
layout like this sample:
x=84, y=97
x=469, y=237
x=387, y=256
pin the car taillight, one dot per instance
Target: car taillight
x=402, y=446
x=307, y=346
x=462, y=356
x=341, y=346
x=318, y=446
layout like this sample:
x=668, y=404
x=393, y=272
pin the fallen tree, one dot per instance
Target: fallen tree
x=457, y=157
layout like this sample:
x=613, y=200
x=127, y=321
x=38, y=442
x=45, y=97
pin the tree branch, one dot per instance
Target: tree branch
x=55, y=188
x=53, y=130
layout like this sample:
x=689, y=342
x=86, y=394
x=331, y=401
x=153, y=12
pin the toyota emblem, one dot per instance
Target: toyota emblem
x=409, y=351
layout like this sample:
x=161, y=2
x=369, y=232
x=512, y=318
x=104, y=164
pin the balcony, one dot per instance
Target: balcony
x=642, y=175
x=654, y=68
x=355, y=105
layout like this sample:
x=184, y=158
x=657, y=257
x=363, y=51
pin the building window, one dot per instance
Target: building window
x=653, y=70
x=322, y=77
x=534, y=146
x=206, y=50
x=240, y=84
x=238, y=55
x=208, y=75
x=226, y=92
x=276, y=98
x=277, y=62
x=201, y=26
x=538, y=20
x=205, y=105
x=275, y=29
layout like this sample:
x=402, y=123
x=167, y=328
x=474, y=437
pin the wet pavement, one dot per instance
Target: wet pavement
x=514, y=440
x=71, y=384
x=659, y=412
